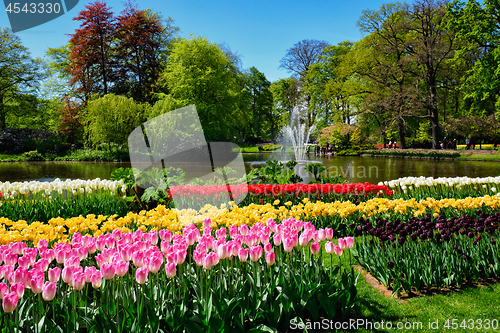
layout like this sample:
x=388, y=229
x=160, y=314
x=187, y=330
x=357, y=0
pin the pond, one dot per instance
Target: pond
x=354, y=169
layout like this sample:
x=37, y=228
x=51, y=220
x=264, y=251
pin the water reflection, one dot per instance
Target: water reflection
x=356, y=169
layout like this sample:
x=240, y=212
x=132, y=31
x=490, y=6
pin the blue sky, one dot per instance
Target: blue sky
x=259, y=31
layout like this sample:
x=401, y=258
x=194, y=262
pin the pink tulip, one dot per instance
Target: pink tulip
x=337, y=250
x=321, y=235
x=92, y=246
x=190, y=238
x=49, y=291
x=170, y=269
x=96, y=280
x=37, y=284
x=155, y=263
x=77, y=238
x=180, y=257
x=54, y=274
x=270, y=258
x=100, y=243
x=222, y=251
x=207, y=231
x=342, y=244
x=208, y=261
x=117, y=234
x=329, y=247
x=48, y=254
x=138, y=258
x=221, y=233
x=255, y=253
x=24, y=261
x=198, y=257
x=4, y=289
x=79, y=280
x=268, y=247
x=243, y=229
x=165, y=235
x=108, y=271
x=9, y=302
x=18, y=288
x=86, y=240
x=67, y=274
x=277, y=239
x=89, y=270
x=233, y=231
x=18, y=247
x=42, y=265
x=72, y=261
x=329, y=233
x=141, y=275
x=349, y=242
x=121, y=268
x=10, y=259
x=207, y=223
x=243, y=254
x=42, y=243
x=21, y=274
x=61, y=255
x=304, y=239
x=315, y=248
x=288, y=245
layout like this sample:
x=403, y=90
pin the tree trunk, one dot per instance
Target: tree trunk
x=401, y=130
x=434, y=116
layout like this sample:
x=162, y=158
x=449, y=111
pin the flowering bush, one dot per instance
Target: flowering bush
x=235, y=279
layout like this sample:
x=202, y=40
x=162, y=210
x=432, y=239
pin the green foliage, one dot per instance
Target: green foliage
x=316, y=169
x=199, y=73
x=424, y=131
x=42, y=210
x=32, y=156
x=275, y=172
x=19, y=78
x=112, y=118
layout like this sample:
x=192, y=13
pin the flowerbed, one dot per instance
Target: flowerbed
x=431, y=252
x=243, y=278
x=443, y=187
x=42, y=201
x=197, y=195
x=341, y=216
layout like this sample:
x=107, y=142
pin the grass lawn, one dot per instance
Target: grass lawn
x=480, y=157
x=9, y=157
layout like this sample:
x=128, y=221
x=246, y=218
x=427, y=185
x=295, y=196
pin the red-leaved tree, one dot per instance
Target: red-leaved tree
x=138, y=51
x=92, y=65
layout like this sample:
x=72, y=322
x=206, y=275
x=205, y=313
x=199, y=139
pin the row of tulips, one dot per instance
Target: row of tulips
x=431, y=252
x=199, y=195
x=42, y=201
x=341, y=216
x=240, y=278
x=69, y=187
x=443, y=187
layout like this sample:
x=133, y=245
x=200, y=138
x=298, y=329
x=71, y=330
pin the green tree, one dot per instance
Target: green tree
x=477, y=25
x=286, y=96
x=112, y=118
x=260, y=105
x=20, y=76
x=199, y=73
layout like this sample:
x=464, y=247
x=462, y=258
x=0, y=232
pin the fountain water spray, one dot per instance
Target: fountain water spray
x=297, y=134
